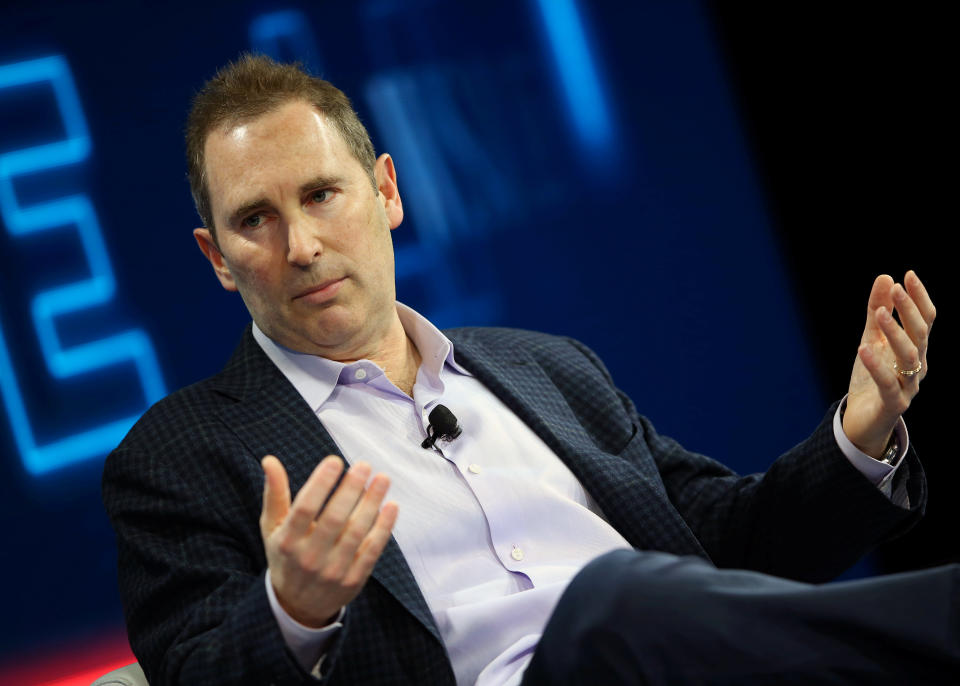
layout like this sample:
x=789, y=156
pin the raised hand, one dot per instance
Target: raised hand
x=891, y=361
x=318, y=564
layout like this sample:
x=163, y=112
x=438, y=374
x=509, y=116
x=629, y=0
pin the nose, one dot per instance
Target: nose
x=303, y=241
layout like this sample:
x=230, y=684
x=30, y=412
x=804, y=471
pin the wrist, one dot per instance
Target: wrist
x=289, y=614
x=880, y=449
x=307, y=620
x=877, y=448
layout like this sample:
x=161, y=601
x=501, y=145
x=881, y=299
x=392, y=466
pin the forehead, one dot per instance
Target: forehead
x=282, y=148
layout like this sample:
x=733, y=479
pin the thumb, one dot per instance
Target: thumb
x=276, y=495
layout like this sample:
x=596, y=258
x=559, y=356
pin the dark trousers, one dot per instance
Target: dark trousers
x=652, y=618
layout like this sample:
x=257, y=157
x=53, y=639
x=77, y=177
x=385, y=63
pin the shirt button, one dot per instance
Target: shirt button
x=474, y=469
x=516, y=553
x=360, y=374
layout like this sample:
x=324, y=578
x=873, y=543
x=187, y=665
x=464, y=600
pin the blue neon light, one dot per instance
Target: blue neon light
x=577, y=72
x=72, y=211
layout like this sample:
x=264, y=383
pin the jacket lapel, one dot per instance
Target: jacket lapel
x=520, y=382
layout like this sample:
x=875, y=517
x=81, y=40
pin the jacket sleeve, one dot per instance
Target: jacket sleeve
x=808, y=517
x=191, y=568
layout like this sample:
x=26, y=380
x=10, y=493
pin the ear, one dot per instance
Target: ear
x=210, y=250
x=386, y=177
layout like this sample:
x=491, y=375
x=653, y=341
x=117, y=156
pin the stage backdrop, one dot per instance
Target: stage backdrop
x=572, y=167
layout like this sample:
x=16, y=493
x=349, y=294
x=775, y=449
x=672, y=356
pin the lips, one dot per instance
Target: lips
x=321, y=292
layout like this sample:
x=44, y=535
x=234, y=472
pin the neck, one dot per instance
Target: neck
x=391, y=350
x=396, y=355
x=400, y=363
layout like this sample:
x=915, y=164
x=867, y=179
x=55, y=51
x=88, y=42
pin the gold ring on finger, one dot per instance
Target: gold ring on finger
x=907, y=372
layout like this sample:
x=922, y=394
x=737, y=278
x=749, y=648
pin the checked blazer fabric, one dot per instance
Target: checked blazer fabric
x=184, y=490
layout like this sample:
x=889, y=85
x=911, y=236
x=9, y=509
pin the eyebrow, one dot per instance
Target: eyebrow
x=321, y=181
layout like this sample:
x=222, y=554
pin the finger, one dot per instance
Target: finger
x=880, y=296
x=913, y=323
x=276, y=494
x=365, y=513
x=361, y=520
x=885, y=378
x=920, y=297
x=337, y=511
x=311, y=497
x=372, y=546
x=903, y=347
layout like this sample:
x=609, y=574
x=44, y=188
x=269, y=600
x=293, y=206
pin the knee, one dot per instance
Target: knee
x=625, y=616
x=658, y=588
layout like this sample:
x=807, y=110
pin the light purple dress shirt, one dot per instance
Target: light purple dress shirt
x=493, y=525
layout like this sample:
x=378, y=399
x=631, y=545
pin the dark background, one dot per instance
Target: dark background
x=847, y=110
x=714, y=237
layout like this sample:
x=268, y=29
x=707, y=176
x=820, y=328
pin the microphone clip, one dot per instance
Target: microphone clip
x=443, y=424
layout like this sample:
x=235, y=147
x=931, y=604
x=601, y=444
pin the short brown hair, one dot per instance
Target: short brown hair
x=251, y=87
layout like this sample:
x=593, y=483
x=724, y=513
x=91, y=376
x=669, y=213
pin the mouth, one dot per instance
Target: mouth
x=321, y=292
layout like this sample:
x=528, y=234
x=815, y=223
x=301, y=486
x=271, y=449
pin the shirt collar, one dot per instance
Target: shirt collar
x=315, y=377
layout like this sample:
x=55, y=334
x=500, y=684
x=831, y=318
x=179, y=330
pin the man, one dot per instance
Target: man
x=243, y=560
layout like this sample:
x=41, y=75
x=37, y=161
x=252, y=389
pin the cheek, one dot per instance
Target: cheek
x=363, y=242
x=253, y=280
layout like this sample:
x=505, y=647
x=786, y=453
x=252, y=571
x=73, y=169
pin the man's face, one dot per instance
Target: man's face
x=303, y=236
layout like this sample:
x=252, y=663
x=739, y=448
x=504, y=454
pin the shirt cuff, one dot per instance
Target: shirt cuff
x=879, y=473
x=307, y=644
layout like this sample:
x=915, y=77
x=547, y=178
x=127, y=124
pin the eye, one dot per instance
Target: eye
x=253, y=221
x=321, y=196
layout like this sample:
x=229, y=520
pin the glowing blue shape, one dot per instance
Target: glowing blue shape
x=395, y=109
x=292, y=26
x=577, y=72
x=416, y=114
x=72, y=211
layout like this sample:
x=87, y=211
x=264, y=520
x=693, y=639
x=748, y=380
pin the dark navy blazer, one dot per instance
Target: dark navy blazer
x=184, y=492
